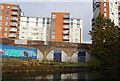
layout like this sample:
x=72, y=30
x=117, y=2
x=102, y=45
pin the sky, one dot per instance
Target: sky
x=77, y=8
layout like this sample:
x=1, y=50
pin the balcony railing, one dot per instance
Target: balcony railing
x=13, y=25
x=65, y=38
x=13, y=30
x=15, y=8
x=14, y=13
x=66, y=32
x=67, y=22
x=12, y=35
x=14, y=19
x=65, y=27
x=67, y=16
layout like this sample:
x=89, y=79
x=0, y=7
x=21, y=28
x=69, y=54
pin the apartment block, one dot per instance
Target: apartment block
x=63, y=28
x=34, y=28
x=108, y=8
x=75, y=30
x=9, y=20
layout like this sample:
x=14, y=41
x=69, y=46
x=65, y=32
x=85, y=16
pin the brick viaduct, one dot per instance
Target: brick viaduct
x=69, y=48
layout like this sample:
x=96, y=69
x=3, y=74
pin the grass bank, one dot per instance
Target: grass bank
x=15, y=65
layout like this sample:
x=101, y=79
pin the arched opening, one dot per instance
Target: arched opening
x=39, y=55
x=80, y=56
x=57, y=55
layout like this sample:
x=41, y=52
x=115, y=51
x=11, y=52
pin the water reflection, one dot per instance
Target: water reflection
x=61, y=76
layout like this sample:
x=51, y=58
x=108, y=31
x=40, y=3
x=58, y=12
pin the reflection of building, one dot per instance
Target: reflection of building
x=9, y=20
x=34, y=28
x=108, y=8
x=67, y=76
x=64, y=29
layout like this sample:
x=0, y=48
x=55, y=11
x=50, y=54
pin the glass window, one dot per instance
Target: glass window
x=6, y=23
x=0, y=22
x=53, y=21
x=27, y=24
x=8, y=7
x=53, y=15
x=5, y=34
x=6, y=17
x=105, y=4
x=1, y=12
x=105, y=14
x=0, y=17
x=105, y=9
x=78, y=26
x=52, y=36
x=52, y=31
x=53, y=26
x=7, y=12
x=6, y=29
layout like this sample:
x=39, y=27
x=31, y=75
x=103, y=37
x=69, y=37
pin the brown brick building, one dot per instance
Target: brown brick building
x=9, y=20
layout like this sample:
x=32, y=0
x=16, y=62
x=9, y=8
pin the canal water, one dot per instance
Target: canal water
x=61, y=76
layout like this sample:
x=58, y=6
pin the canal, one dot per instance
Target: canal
x=58, y=76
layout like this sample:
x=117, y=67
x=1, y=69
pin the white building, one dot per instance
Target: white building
x=34, y=28
x=109, y=8
x=75, y=30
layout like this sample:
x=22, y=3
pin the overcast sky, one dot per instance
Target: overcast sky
x=79, y=9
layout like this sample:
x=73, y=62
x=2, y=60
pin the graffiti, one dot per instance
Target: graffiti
x=21, y=52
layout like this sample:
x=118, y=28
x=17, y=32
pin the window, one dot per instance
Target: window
x=27, y=24
x=53, y=15
x=52, y=31
x=8, y=7
x=105, y=9
x=53, y=26
x=5, y=34
x=6, y=23
x=52, y=36
x=105, y=14
x=0, y=17
x=1, y=7
x=1, y=12
x=53, y=21
x=0, y=22
x=6, y=17
x=104, y=4
x=78, y=26
x=7, y=12
x=6, y=29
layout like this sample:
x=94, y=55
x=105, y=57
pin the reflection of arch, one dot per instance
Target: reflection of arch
x=39, y=55
x=80, y=56
x=59, y=54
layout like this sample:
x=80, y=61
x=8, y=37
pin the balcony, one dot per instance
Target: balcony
x=66, y=38
x=14, y=13
x=13, y=25
x=13, y=30
x=66, y=27
x=66, y=32
x=12, y=35
x=66, y=22
x=14, y=19
x=66, y=17
x=15, y=8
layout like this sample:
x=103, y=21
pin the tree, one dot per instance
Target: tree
x=106, y=42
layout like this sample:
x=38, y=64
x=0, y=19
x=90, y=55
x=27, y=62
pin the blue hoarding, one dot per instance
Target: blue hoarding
x=17, y=52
